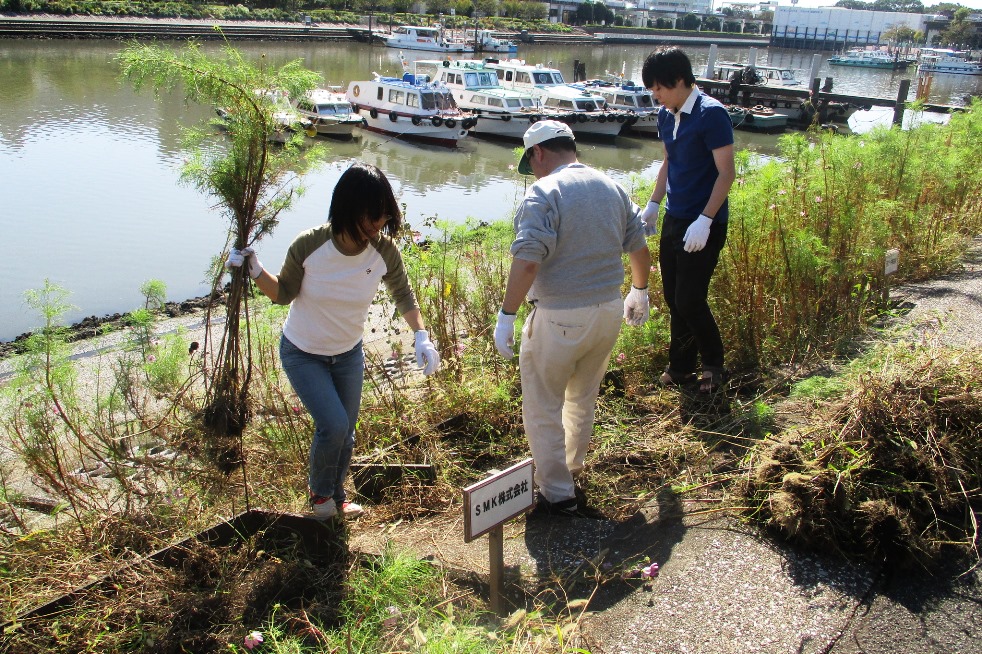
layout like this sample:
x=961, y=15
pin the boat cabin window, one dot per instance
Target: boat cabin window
x=412, y=99
x=327, y=109
x=488, y=79
x=471, y=79
x=527, y=102
x=542, y=78
x=562, y=104
x=396, y=96
x=381, y=93
x=557, y=78
x=522, y=78
x=478, y=99
x=586, y=105
x=645, y=101
x=514, y=103
x=495, y=102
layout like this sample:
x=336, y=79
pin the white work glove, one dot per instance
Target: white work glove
x=636, y=306
x=698, y=233
x=426, y=355
x=650, y=218
x=237, y=257
x=504, y=334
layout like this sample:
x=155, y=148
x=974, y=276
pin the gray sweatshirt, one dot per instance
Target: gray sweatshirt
x=576, y=223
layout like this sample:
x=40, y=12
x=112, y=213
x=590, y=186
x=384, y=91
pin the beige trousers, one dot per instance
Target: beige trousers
x=563, y=359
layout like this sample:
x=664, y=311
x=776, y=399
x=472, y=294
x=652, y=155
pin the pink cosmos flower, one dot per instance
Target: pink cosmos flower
x=818, y=199
x=460, y=348
x=152, y=358
x=252, y=640
x=621, y=357
x=782, y=192
x=773, y=207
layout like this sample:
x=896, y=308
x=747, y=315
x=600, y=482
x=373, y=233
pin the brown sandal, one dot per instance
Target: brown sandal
x=711, y=381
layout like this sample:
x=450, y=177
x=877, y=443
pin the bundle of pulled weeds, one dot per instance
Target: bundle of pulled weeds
x=893, y=474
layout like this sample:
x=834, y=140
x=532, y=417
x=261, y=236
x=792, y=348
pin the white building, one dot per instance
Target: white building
x=832, y=28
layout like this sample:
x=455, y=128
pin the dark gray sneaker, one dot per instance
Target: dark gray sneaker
x=566, y=508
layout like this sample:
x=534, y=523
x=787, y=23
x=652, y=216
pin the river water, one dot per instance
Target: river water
x=90, y=168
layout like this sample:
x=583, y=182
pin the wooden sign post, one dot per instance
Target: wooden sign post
x=490, y=503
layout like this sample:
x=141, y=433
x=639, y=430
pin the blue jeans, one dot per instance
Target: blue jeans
x=330, y=389
x=685, y=281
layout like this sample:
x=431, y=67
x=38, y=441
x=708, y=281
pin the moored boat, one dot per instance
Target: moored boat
x=430, y=39
x=287, y=121
x=627, y=96
x=591, y=117
x=757, y=119
x=946, y=61
x=487, y=42
x=329, y=112
x=504, y=113
x=863, y=58
x=410, y=107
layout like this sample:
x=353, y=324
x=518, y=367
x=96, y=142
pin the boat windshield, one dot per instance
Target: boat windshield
x=480, y=80
x=586, y=105
x=645, y=101
x=513, y=102
x=542, y=78
x=625, y=100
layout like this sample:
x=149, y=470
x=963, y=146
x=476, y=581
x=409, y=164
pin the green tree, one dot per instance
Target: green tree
x=852, y=4
x=961, y=32
x=902, y=34
x=711, y=24
x=690, y=22
x=488, y=7
x=253, y=181
x=584, y=14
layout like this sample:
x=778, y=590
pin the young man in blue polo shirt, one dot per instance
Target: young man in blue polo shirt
x=696, y=175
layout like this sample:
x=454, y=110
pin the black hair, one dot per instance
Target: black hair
x=560, y=144
x=363, y=192
x=667, y=67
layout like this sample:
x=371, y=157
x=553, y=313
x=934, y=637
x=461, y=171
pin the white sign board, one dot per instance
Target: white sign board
x=497, y=499
x=891, y=261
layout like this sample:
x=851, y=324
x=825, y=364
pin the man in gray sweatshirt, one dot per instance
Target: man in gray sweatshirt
x=571, y=230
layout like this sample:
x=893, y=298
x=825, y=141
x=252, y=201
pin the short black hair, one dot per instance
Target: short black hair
x=363, y=192
x=560, y=144
x=667, y=67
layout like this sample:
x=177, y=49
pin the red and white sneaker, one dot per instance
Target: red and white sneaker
x=323, y=508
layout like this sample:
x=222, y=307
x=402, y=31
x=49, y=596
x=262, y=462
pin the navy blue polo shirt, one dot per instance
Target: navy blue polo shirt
x=691, y=167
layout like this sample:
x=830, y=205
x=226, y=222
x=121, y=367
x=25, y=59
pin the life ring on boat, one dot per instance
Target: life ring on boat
x=393, y=116
x=533, y=118
x=582, y=118
x=436, y=120
x=416, y=120
x=505, y=118
x=355, y=90
x=451, y=123
x=373, y=113
x=761, y=110
x=462, y=133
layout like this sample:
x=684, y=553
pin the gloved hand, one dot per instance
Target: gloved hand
x=636, y=306
x=237, y=257
x=650, y=218
x=426, y=354
x=698, y=233
x=504, y=334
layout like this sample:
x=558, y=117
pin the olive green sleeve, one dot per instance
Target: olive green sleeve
x=395, y=277
x=291, y=274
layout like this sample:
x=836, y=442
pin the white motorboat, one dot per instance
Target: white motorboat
x=863, y=58
x=503, y=113
x=287, y=121
x=591, y=114
x=952, y=62
x=628, y=96
x=329, y=112
x=410, y=107
x=430, y=39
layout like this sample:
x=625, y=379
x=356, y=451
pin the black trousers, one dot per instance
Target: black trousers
x=685, y=283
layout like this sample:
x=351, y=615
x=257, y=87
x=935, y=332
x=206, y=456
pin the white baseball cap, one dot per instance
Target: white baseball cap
x=544, y=130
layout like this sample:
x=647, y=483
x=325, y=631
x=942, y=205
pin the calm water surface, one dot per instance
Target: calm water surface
x=90, y=169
